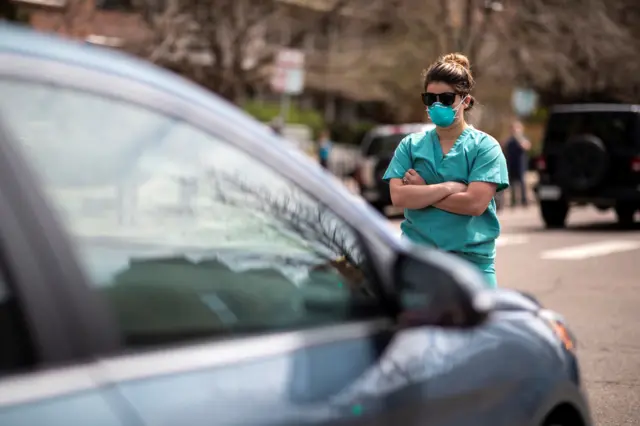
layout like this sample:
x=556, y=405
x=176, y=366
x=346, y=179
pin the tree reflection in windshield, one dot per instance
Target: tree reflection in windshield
x=307, y=224
x=316, y=275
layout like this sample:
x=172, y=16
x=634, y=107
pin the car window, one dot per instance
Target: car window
x=382, y=146
x=185, y=235
x=613, y=128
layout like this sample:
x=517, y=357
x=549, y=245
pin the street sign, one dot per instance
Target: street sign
x=524, y=101
x=288, y=73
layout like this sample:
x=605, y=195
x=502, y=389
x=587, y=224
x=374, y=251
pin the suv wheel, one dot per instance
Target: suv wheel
x=554, y=213
x=625, y=215
x=583, y=163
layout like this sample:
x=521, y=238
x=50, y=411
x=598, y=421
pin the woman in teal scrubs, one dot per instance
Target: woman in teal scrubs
x=446, y=179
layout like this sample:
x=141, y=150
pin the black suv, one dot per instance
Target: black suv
x=590, y=155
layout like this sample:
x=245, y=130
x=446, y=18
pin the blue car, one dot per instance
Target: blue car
x=166, y=260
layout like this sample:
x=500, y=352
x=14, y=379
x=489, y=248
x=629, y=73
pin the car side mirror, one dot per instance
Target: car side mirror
x=439, y=289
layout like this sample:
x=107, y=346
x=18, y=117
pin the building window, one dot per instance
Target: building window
x=114, y=4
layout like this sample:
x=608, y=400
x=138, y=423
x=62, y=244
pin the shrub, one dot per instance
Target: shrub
x=265, y=112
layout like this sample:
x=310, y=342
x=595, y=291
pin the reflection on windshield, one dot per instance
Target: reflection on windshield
x=132, y=184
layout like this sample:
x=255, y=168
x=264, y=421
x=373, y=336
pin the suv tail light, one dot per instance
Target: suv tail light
x=635, y=164
x=541, y=163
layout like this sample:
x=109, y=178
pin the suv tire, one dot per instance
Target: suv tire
x=583, y=163
x=625, y=215
x=554, y=213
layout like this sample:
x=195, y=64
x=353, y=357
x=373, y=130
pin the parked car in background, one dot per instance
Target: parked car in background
x=590, y=155
x=377, y=150
x=167, y=261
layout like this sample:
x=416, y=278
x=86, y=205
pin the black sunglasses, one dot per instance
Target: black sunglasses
x=446, y=99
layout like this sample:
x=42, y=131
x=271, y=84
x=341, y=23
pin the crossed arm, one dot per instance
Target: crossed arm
x=453, y=197
x=472, y=202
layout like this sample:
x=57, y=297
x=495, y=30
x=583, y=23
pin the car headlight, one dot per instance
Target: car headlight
x=559, y=327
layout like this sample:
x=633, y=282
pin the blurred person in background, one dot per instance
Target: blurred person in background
x=324, y=148
x=446, y=179
x=516, y=149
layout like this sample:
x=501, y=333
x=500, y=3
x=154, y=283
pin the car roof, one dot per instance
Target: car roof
x=573, y=108
x=405, y=128
x=24, y=41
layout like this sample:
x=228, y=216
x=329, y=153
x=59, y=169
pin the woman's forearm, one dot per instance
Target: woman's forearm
x=463, y=203
x=419, y=196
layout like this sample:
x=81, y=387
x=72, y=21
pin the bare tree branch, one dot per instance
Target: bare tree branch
x=290, y=211
x=224, y=44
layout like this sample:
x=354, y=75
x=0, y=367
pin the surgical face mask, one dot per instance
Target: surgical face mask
x=443, y=116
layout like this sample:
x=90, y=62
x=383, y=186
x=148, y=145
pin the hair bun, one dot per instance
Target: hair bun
x=457, y=58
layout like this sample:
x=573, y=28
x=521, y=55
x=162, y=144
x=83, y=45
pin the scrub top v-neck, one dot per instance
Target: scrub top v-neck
x=474, y=157
x=444, y=163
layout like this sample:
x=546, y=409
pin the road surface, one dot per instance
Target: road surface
x=590, y=273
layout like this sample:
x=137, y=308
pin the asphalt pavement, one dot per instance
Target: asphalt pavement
x=590, y=273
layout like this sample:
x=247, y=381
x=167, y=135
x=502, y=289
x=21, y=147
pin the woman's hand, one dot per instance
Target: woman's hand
x=411, y=177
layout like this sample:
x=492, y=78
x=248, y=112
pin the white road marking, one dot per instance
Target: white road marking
x=585, y=251
x=511, y=240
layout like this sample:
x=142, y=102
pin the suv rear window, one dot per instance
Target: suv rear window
x=613, y=128
x=383, y=146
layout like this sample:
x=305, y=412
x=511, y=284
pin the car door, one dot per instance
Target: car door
x=237, y=294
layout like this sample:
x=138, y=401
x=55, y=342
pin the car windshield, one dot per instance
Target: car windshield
x=159, y=207
x=613, y=128
x=384, y=146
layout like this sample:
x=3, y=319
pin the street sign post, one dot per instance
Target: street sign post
x=288, y=77
x=524, y=101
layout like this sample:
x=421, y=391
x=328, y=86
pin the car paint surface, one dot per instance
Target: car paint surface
x=511, y=370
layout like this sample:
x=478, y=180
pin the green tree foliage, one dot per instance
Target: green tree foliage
x=265, y=112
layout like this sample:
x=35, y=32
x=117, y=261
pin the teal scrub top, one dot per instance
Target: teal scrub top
x=474, y=157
